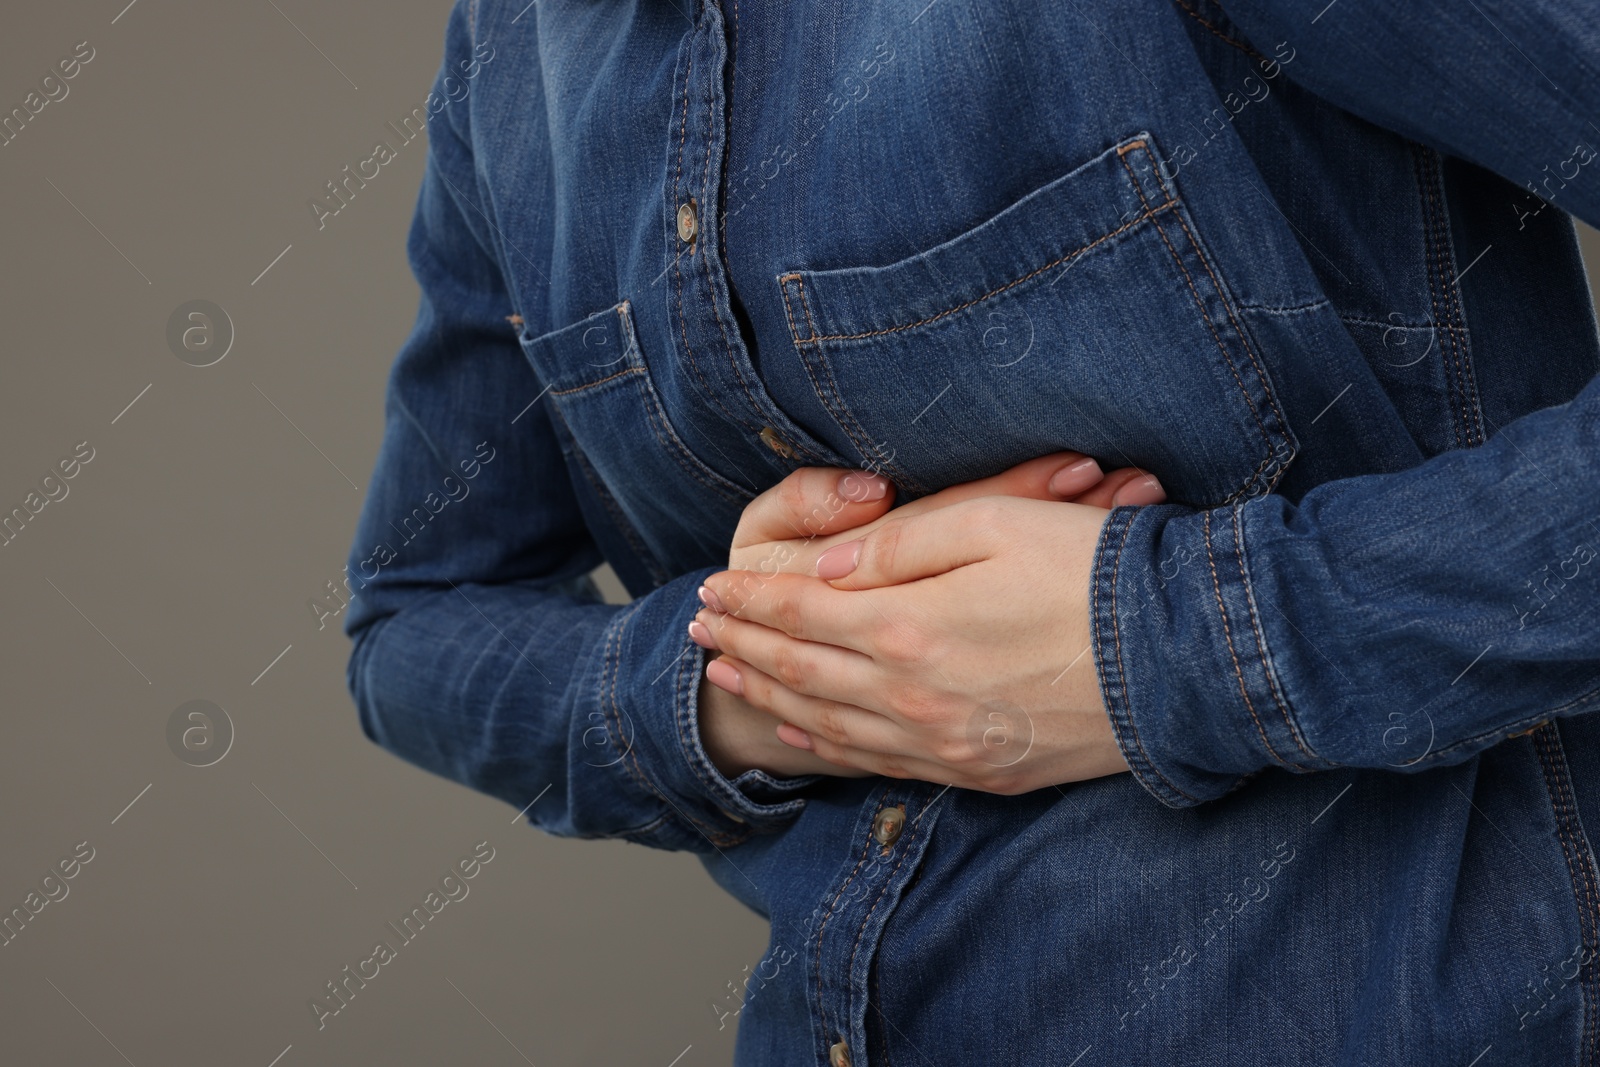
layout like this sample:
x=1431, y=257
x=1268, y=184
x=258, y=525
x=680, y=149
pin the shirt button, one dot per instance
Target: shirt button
x=887, y=826
x=688, y=225
x=770, y=438
x=839, y=1055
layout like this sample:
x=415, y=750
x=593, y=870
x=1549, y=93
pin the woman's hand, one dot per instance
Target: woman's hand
x=950, y=646
x=786, y=529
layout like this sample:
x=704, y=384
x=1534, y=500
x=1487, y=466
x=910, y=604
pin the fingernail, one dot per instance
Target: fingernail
x=839, y=560
x=1075, y=478
x=711, y=599
x=701, y=635
x=725, y=676
x=1140, y=491
x=795, y=737
x=863, y=488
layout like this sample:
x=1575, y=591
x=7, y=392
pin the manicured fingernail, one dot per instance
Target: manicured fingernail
x=839, y=560
x=725, y=676
x=795, y=737
x=1144, y=490
x=711, y=600
x=1075, y=478
x=863, y=488
x=701, y=635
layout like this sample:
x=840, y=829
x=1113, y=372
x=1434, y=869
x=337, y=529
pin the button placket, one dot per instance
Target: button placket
x=896, y=823
x=705, y=325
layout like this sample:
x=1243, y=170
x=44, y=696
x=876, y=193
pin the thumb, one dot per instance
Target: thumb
x=812, y=502
x=918, y=546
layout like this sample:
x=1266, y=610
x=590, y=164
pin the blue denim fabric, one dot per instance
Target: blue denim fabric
x=1288, y=257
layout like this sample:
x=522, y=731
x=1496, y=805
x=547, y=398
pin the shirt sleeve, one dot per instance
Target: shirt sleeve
x=481, y=649
x=1402, y=620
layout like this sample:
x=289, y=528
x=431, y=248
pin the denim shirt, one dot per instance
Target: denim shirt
x=1313, y=268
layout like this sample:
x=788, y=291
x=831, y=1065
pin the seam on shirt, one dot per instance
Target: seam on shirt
x=1200, y=306
x=1240, y=45
x=1227, y=633
x=1292, y=309
x=884, y=888
x=598, y=381
x=1564, y=807
x=677, y=261
x=1489, y=738
x=860, y=435
x=1442, y=290
x=1244, y=335
x=1116, y=636
x=1148, y=214
x=1355, y=321
x=1278, y=697
x=866, y=849
x=715, y=246
x=1429, y=251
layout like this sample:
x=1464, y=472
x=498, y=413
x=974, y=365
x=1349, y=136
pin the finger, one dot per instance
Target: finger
x=795, y=604
x=812, y=502
x=1056, y=476
x=807, y=667
x=806, y=514
x=905, y=550
x=888, y=764
x=843, y=725
x=1125, y=485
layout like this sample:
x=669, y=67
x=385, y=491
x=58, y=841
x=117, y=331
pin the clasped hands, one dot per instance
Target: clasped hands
x=947, y=640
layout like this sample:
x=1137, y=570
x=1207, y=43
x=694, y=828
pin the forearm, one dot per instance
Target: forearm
x=1393, y=621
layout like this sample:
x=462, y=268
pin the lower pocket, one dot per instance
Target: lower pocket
x=663, y=502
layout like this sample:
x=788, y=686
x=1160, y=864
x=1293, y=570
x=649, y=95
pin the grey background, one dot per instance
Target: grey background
x=179, y=567
x=191, y=544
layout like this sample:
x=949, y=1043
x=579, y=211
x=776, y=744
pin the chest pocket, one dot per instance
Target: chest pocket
x=632, y=470
x=1087, y=315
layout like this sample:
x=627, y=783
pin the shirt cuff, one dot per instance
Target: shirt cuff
x=650, y=692
x=1182, y=658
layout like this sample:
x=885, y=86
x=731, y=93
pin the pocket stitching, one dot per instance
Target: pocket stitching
x=1194, y=294
x=598, y=381
x=696, y=467
x=1148, y=215
x=1227, y=357
x=849, y=423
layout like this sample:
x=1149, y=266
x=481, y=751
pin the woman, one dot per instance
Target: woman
x=1310, y=269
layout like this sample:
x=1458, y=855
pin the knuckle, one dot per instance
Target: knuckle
x=915, y=705
x=883, y=546
x=790, y=494
x=954, y=750
x=787, y=614
x=831, y=723
x=788, y=669
x=898, y=642
x=892, y=767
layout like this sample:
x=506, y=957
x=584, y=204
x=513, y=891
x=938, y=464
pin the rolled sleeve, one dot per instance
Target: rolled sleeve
x=1184, y=667
x=649, y=703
